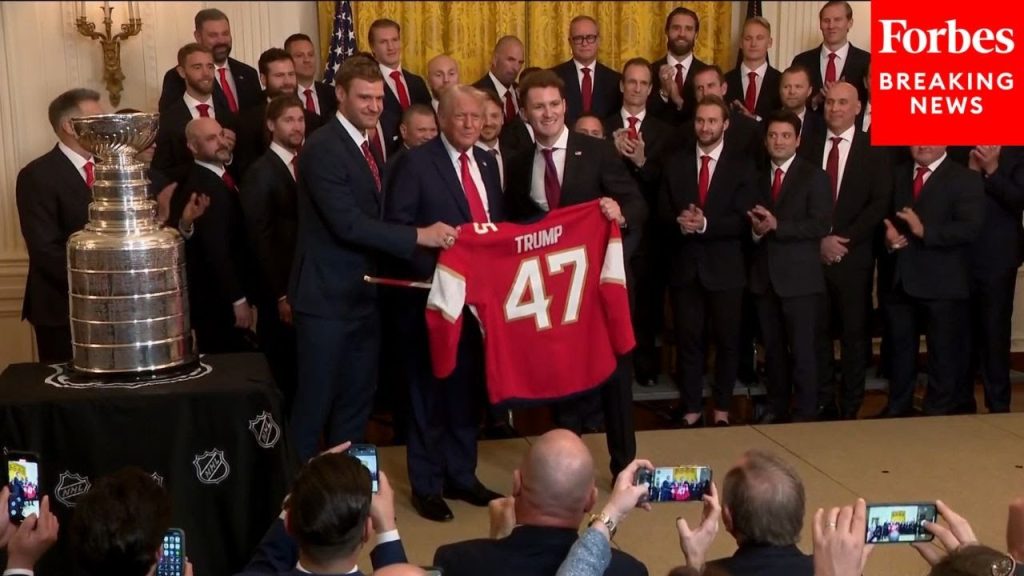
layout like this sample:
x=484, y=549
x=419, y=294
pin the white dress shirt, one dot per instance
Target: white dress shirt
x=844, y=153
x=358, y=136
x=285, y=155
x=639, y=118
x=191, y=103
x=389, y=536
x=301, y=91
x=77, y=159
x=715, y=153
x=558, y=157
x=579, y=73
x=840, y=60
x=474, y=172
x=230, y=79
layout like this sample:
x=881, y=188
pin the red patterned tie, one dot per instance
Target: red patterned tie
x=476, y=205
x=310, y=104
x=510, y=106
x=226, y=87
x=376, y=144
x=777, y=184
x=633, y=134
x=830, y=70
x=372, y=163
x=832, y=166
x=204, y=110
x=704, y=179
x=552, y=188
x=587, y=89
x=403, y=94
x=229, y=181
x=919, y=180
x=90, y=175
x=680, y=78
x=751, y=99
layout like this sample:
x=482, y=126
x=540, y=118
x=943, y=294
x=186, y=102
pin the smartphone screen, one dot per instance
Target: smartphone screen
x=367, y=454
x=896, y=523
x=675, y=483
x=23, y=479
x=172, y=561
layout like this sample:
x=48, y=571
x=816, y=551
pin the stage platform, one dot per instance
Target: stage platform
x=974, y=463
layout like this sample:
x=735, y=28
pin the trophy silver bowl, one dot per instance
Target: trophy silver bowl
x=126, y=272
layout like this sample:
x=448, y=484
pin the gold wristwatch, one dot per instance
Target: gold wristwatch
x=605, y=519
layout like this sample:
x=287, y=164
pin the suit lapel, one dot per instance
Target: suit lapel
x=357, y=157
x=68, y=173
x=788, y=181
x=574, y=159
x=489, y=175
x=932, y=182
x=452, y=180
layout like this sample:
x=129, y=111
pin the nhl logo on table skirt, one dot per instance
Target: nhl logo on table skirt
x=70, y=487
x=157, y=478
x=211, y=467
x=266, y=431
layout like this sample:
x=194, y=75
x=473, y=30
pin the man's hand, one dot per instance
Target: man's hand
x=667, y=75
x=284, y=311
x=437, y=235
x=696, y=543
x=502, y=512
x=893, y=239
x=833, y=248
x=197, y=205
x=230, y=138
x=740, y=108
x=243, y=315
x=163, y=202
x=691, y=220
x=33, y=538
x=625, y=495
x=958, y=534
x=635, y=150
x=762, y=220
x=984, y=158
x=7, y=529
x=839, y=548
x=913, y=220
x=1015, y=530
x=382, y=505
x=610, y=209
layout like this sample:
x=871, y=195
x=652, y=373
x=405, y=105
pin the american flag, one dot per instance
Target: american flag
x=343, y=39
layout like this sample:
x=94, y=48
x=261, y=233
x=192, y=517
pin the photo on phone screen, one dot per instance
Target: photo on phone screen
x=896, y=523
x=172, y=560
x=23, y=479
x=676, y=483
x=367, y=454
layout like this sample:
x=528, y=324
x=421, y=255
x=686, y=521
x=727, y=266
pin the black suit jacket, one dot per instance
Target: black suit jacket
x=533, y=550
x=812, y=129
x=606, y=97
x=172, y=156
x=427, y=189
x=788, y=259
x=999, y=248
x=247, y=83
x=952, y=208
x=486, y=83
x=53, y=203
x=328, y=101
x=392, y=115
x=764, y=560
x=865, y=194
x=340, y=234
x=515, y=137
x=667, y=111
x=854, y=70
x=268, y=194
x=252, y=138
x=714, y=258
x=768, y=99
x=592, y=170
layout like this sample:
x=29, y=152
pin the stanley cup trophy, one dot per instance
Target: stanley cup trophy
x=128, y=293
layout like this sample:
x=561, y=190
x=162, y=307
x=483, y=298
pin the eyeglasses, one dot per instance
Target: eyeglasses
x=588, y=39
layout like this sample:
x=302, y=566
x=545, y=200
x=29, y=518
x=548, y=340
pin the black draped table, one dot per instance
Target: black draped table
x=214, y=438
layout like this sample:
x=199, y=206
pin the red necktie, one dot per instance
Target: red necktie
x=680, y=77
x=476, y=205
x=310, y=105
x=228, y=181
x=372, y=163
x=777, y=184
x=204, y=110
x=751, y=99
x=510, y=106
x=552, y=188
x=587, y=88
x=403, y=95
x=830, y=70
x=633, y=135
x=90, y=175
x=232, y=103
x=919, y=180
x=375, y=142
x=704, y=179
x=832, y=166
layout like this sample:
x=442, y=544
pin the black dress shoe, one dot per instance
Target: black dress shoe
x=477, y=494
x=828, y=413
x=432, y=508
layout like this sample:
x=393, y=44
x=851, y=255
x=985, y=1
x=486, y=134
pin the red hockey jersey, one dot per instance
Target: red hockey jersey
x=550, y=297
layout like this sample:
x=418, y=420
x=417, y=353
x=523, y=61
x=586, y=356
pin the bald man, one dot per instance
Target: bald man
x=506, y=63
x=553, y=490
x=861, y=190
x=442, y=72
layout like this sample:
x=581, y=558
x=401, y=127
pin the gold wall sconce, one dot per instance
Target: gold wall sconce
x=110, y=43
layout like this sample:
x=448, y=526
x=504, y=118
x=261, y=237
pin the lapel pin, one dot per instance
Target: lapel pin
x=578, y=153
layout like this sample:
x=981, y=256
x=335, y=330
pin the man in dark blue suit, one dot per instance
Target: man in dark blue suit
x=339, y=239
x=450, y=180
x=330, y=514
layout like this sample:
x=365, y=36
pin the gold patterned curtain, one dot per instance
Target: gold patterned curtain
x=468, y=30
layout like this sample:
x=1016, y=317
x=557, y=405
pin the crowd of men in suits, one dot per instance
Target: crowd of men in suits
x=752, y=201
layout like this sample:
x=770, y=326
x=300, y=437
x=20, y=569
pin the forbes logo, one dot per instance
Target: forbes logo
x=957, y=40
